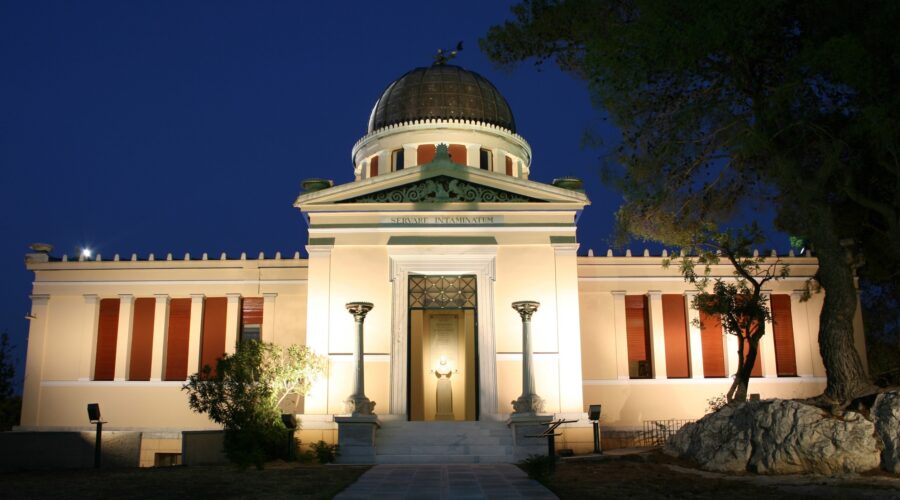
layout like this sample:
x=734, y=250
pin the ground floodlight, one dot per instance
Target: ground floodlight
x=289, y=420
x=594, y=412
x=93, y=412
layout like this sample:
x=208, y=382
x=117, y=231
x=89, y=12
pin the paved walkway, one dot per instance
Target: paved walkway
x=445, y=482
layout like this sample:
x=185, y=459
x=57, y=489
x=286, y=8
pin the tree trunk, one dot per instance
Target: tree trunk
x=846, y=376
x=740, y=386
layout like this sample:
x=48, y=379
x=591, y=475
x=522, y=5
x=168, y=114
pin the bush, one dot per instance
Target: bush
x=245, y=392
x=538, y=467
x=716, y=403
x=325, y=453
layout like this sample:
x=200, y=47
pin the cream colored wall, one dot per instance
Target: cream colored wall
x=62, y=339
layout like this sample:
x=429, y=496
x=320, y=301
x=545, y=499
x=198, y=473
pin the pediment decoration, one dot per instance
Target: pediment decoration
x=442, y=189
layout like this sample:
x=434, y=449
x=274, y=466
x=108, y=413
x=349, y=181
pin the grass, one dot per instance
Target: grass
x=277, y=480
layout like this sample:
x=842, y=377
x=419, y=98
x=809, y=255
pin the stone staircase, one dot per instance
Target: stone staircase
x=404, y=442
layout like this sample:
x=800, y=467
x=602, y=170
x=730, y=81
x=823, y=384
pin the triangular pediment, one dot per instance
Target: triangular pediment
x=441, y=184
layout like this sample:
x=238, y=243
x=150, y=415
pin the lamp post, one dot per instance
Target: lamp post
x=528, y=403
x=93, y=410
x=358, y=403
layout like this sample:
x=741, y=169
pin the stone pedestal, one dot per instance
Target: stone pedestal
x=356, y=438
x=523, y=428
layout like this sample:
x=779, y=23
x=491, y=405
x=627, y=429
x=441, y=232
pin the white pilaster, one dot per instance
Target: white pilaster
x=410, y=156
x=160, y=335
x=767, y=343
x=317, y=312
x=621, y=334
x=695, y=339
x=568, y=327
x=123, y=336
x=657, y=335
x=731, y=354
x=268, y=326
x=196, y=325
x=34, y=359
x=89, y=337
x=801, y=335
x=473, y=155
x=232, y=321
x=384, y=162
x=499, y=160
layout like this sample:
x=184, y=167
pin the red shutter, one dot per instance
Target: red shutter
x=675, y=334
x=712, y=343
x=373, y=167
x=638, y=334
x=252, y=311
x=212, y=345
x=178, y=336
x=458, y=154
x=107, y=331
x=509, y=169
x=783, y=326
x=142, y=339
x=425, y=154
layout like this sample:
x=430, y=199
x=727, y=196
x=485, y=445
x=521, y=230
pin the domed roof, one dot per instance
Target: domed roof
x=441, y=91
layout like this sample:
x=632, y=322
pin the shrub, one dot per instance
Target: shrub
x=538, y=467
x=325, y=453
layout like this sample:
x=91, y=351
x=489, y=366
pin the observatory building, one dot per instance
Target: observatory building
x=457, y=251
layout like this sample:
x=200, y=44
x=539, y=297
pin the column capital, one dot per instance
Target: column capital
x=618, y=293
x=233, y=297
x=526, y=308
x=691, y=293
x=161, y=297
x=89, y=298
x=270, y=295
x=126, y=298
x=197, y=297
x=654, y=293
x=798, y=294
x=359, y=310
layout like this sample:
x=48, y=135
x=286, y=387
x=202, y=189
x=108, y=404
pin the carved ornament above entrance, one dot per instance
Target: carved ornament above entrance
x=442, y=189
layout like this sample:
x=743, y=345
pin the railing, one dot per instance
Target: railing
x=658, y=432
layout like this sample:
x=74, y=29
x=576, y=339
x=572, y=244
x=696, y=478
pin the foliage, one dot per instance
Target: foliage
x=738, y=302
x=716, y=403
x=728, y=105
x=245, y=393
x=10, y=404
x=325, y=453
x=538, y=467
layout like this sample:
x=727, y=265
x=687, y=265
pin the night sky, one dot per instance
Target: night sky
x=139, y=127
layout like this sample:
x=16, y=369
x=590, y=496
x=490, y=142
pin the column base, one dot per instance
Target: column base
x=356, y=438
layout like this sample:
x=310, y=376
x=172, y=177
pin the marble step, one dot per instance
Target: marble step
x=443, y=449
x=443, y=459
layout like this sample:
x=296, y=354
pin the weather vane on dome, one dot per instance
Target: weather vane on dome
x=443, y=56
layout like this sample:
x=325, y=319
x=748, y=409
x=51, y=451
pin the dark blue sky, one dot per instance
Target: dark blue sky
x=138, y=127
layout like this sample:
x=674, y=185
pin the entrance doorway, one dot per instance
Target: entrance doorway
x=443, y=352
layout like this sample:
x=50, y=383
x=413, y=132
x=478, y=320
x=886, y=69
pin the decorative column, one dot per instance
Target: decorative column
x=657, y=335
x=525, y=421
x=528, y=403
x=695, y=335
x=767, y=343
x=356, y=433
x=232, y=321
x=160, y=338
x=621, y=334
x=358, y=403
x=123, y=337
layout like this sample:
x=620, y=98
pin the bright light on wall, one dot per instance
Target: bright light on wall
x=86, y=253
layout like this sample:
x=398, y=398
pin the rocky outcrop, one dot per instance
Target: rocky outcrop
x=779, y=437
x=886, y=413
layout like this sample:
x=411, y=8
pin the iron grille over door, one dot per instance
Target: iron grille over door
x=442, y=292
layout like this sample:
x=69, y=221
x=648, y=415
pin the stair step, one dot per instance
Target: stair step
x=443, y=459
x=396, y=449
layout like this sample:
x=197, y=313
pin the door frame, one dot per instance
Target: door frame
x=479, y=260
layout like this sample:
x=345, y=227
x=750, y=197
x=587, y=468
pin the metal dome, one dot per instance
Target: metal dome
x=441, y=92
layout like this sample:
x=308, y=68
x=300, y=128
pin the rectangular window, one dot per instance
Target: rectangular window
x=675, y=335
x=142, y=338
x=485, y=159
x=783, y=326
x=425, y=154
x=713, y=344
x=637, y=327
x=458, y=154
x=107, y=331
x=373, y=166
x=397, y=159
x=177, y=339
x=212, y=343
x=509, y=165
x=251, y=318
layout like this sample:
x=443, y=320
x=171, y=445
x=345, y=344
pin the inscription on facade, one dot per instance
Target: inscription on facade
x=444, y=219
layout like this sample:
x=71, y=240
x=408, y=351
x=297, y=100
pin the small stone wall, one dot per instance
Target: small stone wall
x=203, y=448
x=67, y=450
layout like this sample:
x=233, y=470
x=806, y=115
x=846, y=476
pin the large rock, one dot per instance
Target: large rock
x=886, y=413
x=778, y=437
